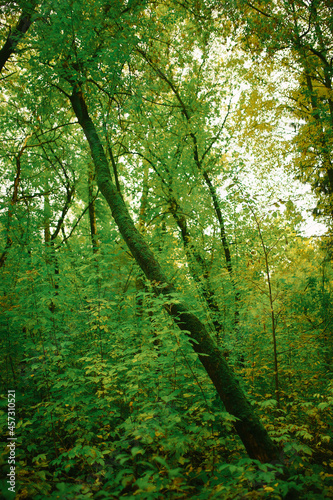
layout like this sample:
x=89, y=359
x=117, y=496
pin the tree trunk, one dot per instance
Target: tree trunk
x=249, y=428
x=198, y=267
x=92, y=212
x=325, y=147
x=204, y=173
x=16, y=34
x=13, y=201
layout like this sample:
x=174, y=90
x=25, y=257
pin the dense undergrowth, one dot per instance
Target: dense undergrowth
x=111, y=401
x=189, y=121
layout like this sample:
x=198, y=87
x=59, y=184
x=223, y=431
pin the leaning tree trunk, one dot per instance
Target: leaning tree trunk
x=249, y=427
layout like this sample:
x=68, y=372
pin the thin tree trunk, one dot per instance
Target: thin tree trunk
x=92, y=212
x=249, y=427
x=47, y=211
x=202, y=170
x=51, y=237
x=198, y=266
x=272, y=312
x=50, y=255
x=325, y=147
x=144, y=198
x=219, y=216
x=139, y=280
x=13, y=201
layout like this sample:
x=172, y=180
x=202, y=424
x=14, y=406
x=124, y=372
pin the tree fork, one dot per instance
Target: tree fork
x=248, y=426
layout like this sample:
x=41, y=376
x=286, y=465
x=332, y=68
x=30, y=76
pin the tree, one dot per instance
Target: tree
x=252, y=433
x=250, y=430
x=111, y=312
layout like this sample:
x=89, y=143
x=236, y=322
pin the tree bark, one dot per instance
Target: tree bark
x=249, y=427
x=16, y=34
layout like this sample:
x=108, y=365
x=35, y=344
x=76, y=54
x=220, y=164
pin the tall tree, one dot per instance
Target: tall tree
x=74, y=68
x=252, y=433
x=86, y=68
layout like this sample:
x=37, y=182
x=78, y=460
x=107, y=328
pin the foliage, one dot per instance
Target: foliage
x=111, y=399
